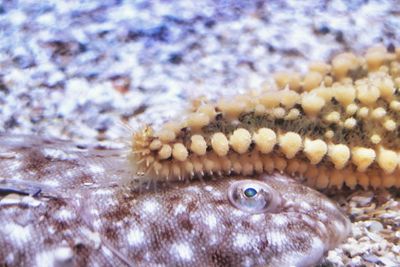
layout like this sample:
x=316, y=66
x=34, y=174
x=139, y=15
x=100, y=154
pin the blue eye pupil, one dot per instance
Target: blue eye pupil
x=250, y=192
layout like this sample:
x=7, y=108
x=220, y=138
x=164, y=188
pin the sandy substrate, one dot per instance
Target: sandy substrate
x=101, y=69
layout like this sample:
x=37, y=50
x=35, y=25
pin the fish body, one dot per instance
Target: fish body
x=61, y=208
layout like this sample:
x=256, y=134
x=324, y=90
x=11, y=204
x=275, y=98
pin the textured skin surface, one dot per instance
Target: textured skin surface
x=340, y=128
x=79, y=218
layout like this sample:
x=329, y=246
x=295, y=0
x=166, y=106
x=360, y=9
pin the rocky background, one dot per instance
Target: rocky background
x=91, y=70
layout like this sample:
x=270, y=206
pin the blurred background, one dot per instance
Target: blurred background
x=81, y=69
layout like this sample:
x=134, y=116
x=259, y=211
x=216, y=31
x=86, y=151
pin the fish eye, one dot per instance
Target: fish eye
x=254, y=196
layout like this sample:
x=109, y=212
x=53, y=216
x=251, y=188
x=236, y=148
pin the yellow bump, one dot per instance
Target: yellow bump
x=179, y=152
x=289, y=98
x=265, y=140
x=362, y=157
x=166, y=135
x=342, y=63
x=231, y=108
x=320, y=67
x=333, y=117
x=386, y=87
x=390, y=125
x=155, y=144
x=198, y=145
x=290, y=144
x=350, y=123
x=324, y=92
x=315, y=150
x=339, y=155
x=173, y=126
x=387, y=160
x=376, y=139
x=328, y=81
x=312, y=80
x=270, y=99
x=395, y=105
x=375, y=58
x=368, y=94
x=329, y=134
x=278, y=112
x=208, y=109
x=293, y=114
x=351, y=109
x=240, y=140
x=378, y=113
x=312, y=103
x=292, y=79
x=220, y=144
x=165, y=152
x=344, y=94
x=197, y=120
x=259, y=109
x=363, y=112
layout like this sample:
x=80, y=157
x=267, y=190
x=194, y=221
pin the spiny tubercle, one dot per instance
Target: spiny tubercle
x=339, y=124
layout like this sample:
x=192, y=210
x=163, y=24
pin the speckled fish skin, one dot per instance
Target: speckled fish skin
x=78, y=220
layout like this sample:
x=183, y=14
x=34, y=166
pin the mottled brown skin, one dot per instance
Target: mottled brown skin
x=79, y=218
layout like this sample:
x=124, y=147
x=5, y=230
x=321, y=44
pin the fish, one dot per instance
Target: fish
x=62, y=204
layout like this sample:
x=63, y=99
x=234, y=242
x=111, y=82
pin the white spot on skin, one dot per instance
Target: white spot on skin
x=211, y=221
x=239, y=213
x=216, y=194
x=51, y=183
x=182, y=250
x=106, y=251
x=255, y=218
x=179, y=209
x=275, y=238
x=150, y=206
x=103, y=192
x=92, y=236
x=208, y=188
x=96, y=168
x=193, y=189
x=64, y=214
x=304, y=205
x=135, y=237
x=58, y=154
x=308, y=259
x=241, y=240
x=63, y=254
x=17, y=233
x=329, y=205
x=279, y=219
x=45, y=259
